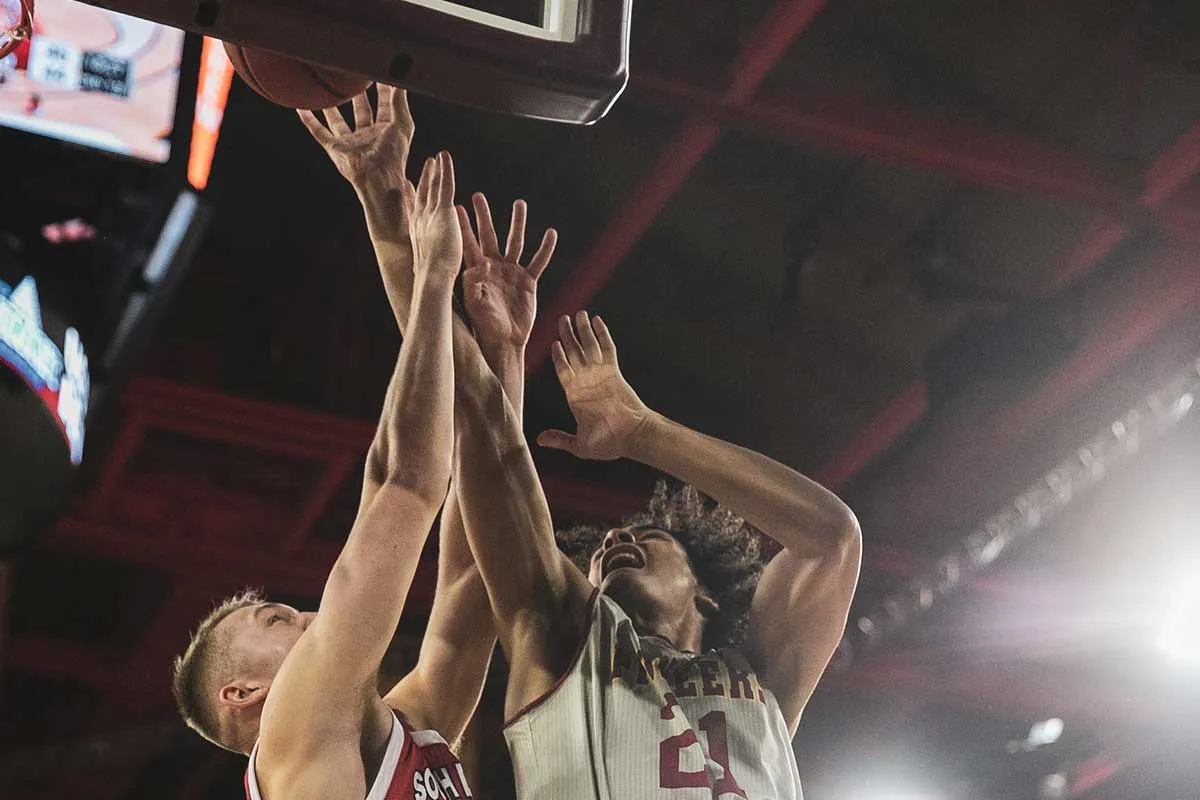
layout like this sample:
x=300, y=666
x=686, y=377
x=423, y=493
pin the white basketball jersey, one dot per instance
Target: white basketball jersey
x=636, y=718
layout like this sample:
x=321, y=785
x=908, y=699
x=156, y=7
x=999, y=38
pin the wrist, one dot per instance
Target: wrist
x=383, y=206
x=432, y=277
x=504, y=357
x=647, y=433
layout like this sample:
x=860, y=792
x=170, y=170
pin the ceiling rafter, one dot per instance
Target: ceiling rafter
x=786, y=20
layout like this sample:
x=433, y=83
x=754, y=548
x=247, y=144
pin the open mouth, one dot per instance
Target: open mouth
x=622, y=556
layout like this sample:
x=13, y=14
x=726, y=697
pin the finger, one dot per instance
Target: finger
x=558, y=440
x=562, y=367
x=435, y=190
x=570, y=345
x=408, y=196
x=587, y=338
x=471, y=252
x=516, y=233
x=318, y=131
x=487, y=231
x=335, y=121
x=401, y=112
x=386, y=98
x=425, y=187
x=541, y=259
x=362, y=111
x=607, y=346
x=393, y=107
x=447, y=185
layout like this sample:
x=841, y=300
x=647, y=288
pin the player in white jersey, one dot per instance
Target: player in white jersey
x=673, y=666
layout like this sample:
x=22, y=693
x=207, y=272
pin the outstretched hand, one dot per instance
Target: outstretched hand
x=608, y=413
x=436, y=238
x=377, y=148
x=500, y=295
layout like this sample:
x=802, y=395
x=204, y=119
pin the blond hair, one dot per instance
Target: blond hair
x=206, y=658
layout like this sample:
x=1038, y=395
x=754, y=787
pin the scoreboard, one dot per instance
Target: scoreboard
x=44, y=387
x=55, y=371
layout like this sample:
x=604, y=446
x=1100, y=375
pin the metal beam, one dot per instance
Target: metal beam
x=786, y=21
x=984, y=158
x=1166, y=175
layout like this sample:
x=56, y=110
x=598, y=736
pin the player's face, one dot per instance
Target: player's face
x=645, y=570
x=263, y=635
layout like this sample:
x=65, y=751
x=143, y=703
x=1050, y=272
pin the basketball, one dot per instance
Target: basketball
x=293, y=83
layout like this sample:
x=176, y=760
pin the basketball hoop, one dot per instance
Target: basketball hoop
x=21, y=28
x=566, y=60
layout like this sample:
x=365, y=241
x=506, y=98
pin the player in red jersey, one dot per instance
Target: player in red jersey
x=337, y=737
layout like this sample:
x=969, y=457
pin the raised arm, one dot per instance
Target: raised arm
x=373, y=157
x=319, y=696
x=500, y=296
x=799, y=609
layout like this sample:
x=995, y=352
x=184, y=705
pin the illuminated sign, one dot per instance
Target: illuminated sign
x=59, y=377
x=216, y=74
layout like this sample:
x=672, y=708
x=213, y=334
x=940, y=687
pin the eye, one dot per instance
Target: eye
x=271, y=620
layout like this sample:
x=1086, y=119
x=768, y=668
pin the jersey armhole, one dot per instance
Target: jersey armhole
x=583, y=641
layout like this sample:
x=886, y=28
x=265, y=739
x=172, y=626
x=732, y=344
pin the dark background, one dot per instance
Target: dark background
x=921, y=251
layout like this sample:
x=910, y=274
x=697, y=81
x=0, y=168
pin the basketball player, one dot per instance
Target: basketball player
x=670, y=664
x=440, y=694
x=297, y=691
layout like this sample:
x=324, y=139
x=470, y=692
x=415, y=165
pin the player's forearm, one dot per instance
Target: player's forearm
x=507, y=520
x=387, y=225
x=419, y=422
x=508, y=365
x=799, y=513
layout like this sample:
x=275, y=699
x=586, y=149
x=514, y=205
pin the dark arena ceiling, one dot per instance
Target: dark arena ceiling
x=923, y=251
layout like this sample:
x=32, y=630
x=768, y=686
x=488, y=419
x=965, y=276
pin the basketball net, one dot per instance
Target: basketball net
x=16, y=24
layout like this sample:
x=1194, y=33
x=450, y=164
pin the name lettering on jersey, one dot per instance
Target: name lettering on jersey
x=440, y=783
x=724, y=674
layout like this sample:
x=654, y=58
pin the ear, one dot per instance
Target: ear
x=243, y=694
x=706, y=604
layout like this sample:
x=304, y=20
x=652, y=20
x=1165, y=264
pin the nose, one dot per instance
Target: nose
x=306, y=618
x=618, y=536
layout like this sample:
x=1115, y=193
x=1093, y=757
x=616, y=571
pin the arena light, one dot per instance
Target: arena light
x=1180, y=635
x=1026, y=514
x=72, y=230
x=212, y=93
x=1041, y=734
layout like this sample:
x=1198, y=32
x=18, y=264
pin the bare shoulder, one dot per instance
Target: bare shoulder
x=299, y=758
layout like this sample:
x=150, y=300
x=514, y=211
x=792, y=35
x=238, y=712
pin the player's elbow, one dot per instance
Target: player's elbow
x=842, y=539
x=848, y=533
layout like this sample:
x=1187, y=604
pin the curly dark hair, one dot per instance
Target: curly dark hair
x=723, y=550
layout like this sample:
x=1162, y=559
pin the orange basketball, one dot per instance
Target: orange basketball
x=293, y=83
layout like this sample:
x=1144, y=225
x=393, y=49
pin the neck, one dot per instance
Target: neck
x=685, y=633
x=242, y=737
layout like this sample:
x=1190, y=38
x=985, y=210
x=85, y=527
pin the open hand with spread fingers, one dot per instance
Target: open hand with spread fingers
x=376, y=149
x=608, y=413
x=436, y=237
x=501, y=295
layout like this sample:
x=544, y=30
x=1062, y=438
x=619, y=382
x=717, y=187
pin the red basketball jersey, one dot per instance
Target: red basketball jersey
x=417, y=765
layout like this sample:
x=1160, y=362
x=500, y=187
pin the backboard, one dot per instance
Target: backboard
x=563, y=60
